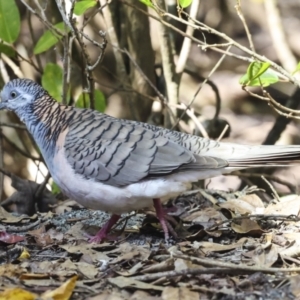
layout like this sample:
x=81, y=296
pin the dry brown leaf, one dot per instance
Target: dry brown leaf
x=90, y=255
x=125, y=282
x=88, y=270
x=295, y=287
x=125, y=257
x=288, y=205
x=65, y=206
x=208, y=247
x=255, y=202
x=11, y=270
x=6, y=217
x=247, y=226
x=76, y=233
x=42, y=238
x=181, y=264
x=264, y=255
x=165, y=265
x=132, y=271
x=127, y=251
x=239, y=206
x=107, y=295
x=181, y=293
x=204, y=216
x=293, y=250
x=142, y=295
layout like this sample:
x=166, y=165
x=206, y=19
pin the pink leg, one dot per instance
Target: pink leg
x=102, y=233
x=161, y=217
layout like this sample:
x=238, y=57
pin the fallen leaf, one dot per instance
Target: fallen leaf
x=125, y=282
x=288, y=205
x=8, y=238
x=247, y=226
x=9, y=218
x=64, y=292
x=208, y=247
x=181, y=293
x=17, y=293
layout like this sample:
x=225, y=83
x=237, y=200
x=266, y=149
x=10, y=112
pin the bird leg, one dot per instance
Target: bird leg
x=102, y=233
x=161, y=215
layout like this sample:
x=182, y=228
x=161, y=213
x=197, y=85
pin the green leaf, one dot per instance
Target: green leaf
x=7, y=50
x=9, y=21
x=266, y=79
x=185, y=3
x=297, y=68
x=55, y=189
x=147, y=2
x=49, y=39
x=81, y=6
x=84, y=101
x=256, y=69
x=52, y=80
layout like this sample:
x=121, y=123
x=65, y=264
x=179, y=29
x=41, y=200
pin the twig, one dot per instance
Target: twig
x=169, y=71
x=42, y=186
x=3, y=71
x=187, y=42
x=288, y=218
x=217, y=268
x=230, y=266
x=202, y=84
x=223, y=133
x=191, y=114
x=16, y=69
x=270, y=177
x=42, y=17
x=241, y=16
x=187, y=272
x=213, y=87
x=38, y=59
x=275, y=194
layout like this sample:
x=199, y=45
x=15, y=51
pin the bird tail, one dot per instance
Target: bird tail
x=258, y=156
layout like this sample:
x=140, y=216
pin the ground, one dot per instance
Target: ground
x=230, y=246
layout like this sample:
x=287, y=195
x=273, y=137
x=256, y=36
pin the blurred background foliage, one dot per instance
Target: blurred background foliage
x=173, y=66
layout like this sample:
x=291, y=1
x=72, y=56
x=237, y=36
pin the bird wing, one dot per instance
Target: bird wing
x=119, y=152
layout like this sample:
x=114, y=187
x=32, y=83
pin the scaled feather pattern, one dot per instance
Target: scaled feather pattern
x=120, y=165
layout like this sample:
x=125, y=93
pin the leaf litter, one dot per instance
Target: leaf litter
x=231, y=246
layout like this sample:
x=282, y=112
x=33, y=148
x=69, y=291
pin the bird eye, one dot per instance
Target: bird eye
x=13, y=94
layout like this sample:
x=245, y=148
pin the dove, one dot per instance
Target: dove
x=118, y=166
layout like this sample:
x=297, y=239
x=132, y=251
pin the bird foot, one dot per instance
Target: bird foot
x=161, y=215
x=102, y=234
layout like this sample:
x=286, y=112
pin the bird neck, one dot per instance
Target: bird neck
x=45, y=121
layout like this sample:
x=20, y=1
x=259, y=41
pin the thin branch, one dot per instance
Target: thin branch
x=270, y=177
x=202, y=84
x=169, y=71
x=241, y=16
x=187, y=42
x=16, y=69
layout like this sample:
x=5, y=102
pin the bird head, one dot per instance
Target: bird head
x=20, y=94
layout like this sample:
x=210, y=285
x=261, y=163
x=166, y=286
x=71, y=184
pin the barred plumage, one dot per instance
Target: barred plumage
x=120, y=165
